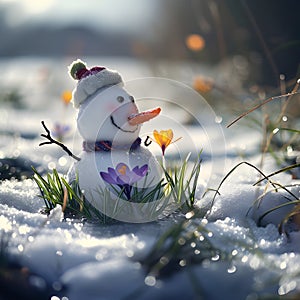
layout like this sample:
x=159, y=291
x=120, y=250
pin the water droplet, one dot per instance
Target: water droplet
x=62, y=161
x=232, y=269
x=51, y=165
x=46, y=157
x=140, y=245
x=20, y=248
x=244, y=259
x=218, y=119
x=30, y=239
x=201, y=238
x=275, y=130
x=284, y=118
x=150, y=280
x=234, y=252
x=189, y=215
x=23, y=229
x=181, y=241
x=282, y=77
x=182, y=263
x=216, y=257
x=283, y=265
x=59, y=253
x=197, y=251
x=193, y=244
x=210, y=234
x=130, y=253
x=204, y=222
x=101, y=254
x=262, y=242
x=164, y=260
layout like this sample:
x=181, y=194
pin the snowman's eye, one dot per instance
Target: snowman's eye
x=120, y=99
x=131, y=99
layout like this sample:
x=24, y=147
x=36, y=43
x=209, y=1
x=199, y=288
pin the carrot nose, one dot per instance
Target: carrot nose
x=144, y=116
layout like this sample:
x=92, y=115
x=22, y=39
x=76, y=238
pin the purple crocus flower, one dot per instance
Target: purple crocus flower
x=123, y=177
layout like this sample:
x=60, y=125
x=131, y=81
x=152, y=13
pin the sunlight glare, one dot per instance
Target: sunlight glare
x=5, y=224
x=36, y=6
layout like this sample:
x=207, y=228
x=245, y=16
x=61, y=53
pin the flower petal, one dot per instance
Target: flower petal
x=122, y=169
x=166, y=137
x=142, y=171
x=163, y=138
x=123, y=179
x=157, y=138
x=134, y=178
x=112, y=173
x=107, y=177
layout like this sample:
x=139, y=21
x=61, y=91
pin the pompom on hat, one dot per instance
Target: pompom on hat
x=90, y=80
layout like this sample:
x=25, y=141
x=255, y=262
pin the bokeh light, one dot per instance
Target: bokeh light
x=203, y=84
x=195, y=42
x=66, y=96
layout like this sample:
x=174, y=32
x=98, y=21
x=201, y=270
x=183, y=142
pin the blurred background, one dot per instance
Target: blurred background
x=260, y=38
x=232, y=52
x=232, y=44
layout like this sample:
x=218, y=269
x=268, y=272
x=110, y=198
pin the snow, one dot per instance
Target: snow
x=86, y=260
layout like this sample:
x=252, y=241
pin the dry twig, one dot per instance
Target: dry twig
x=52, y=141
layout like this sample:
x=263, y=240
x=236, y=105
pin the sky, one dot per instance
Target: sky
x=119, y=15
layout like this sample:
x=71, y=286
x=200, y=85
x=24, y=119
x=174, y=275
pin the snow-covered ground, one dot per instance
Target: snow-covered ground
x=86, y=260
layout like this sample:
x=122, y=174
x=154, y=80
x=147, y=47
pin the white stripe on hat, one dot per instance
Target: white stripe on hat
x=87, y=86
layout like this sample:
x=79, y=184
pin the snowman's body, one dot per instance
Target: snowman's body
x=110, y=118
x=95, y=188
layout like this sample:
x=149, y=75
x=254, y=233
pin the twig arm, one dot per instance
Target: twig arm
x=52, y=141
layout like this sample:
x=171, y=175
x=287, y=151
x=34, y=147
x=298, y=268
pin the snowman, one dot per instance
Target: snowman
x=114, y=168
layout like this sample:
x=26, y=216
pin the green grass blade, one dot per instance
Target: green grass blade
x=275, y=208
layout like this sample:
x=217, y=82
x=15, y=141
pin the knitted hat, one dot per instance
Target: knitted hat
x=90, y=80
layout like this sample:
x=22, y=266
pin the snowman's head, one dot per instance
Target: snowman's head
x=106, y=111
x=106, y=116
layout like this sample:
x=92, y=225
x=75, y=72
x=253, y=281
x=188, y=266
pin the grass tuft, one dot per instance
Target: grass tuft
x=294, y=201
x=185, y=243
x=178, y=186
x=183, y=185
x=280, y=140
